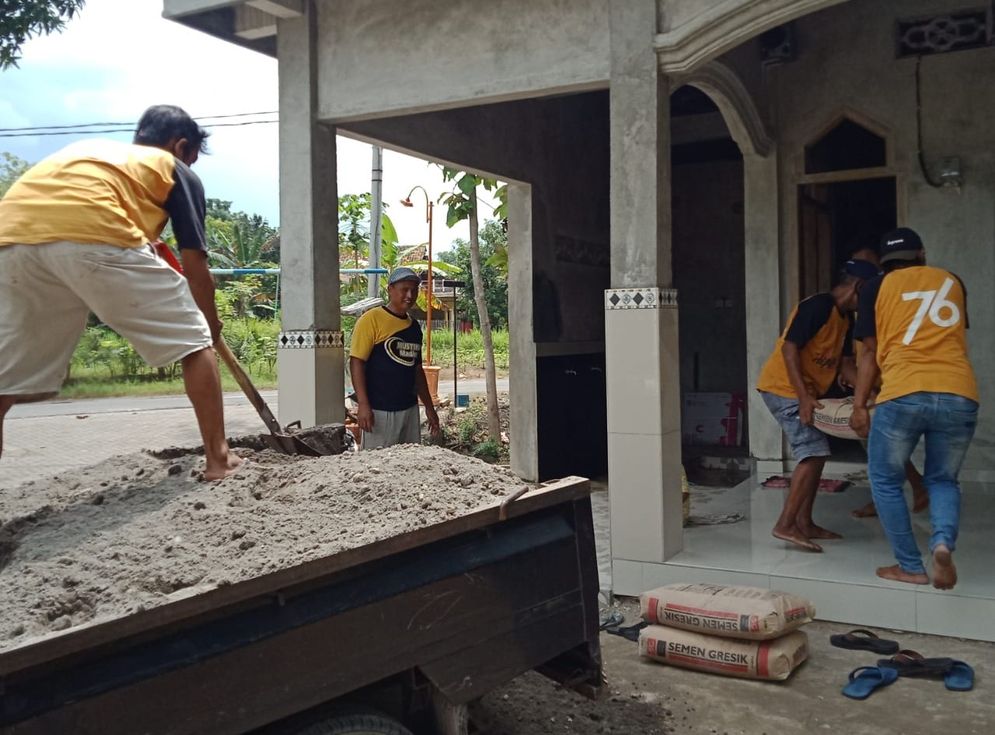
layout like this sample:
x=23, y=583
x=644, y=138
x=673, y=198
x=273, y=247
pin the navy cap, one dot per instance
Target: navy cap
x=863, y=269
x=402, y=274
x=900, y=244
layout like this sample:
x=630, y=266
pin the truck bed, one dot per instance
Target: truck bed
x=469, y=603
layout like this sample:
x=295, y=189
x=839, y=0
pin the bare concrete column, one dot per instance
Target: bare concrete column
x=763, y=314
x=309, y=353
x=522, y=347
x=644, y=445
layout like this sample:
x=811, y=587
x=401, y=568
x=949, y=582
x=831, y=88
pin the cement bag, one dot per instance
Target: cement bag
x=732, y=612
x=771, y=660
x=834, y=417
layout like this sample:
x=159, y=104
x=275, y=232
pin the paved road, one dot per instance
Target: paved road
x=89, y=406
x=44, y=439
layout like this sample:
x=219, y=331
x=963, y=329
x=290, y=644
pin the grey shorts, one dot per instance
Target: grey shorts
x=393, y=427
x=47, y=291
x=805, y=441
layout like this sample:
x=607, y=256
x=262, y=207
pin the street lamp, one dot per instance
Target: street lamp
x=406, y=202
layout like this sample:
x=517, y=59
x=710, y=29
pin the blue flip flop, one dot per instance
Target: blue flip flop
x=960, y=678
x=866, y=679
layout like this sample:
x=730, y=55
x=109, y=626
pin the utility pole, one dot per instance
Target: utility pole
x=376, y=218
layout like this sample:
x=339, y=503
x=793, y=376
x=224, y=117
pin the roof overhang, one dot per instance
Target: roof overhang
x=248, y=23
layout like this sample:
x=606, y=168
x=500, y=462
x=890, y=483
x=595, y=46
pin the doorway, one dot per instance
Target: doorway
x=834, y=220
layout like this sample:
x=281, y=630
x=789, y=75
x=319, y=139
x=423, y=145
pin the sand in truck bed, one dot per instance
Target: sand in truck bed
x=137, y=531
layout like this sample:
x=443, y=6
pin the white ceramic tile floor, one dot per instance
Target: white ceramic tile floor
x=841, y=580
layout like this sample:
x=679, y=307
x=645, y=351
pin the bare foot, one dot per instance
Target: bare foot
x=867, y=511
x=896, y=574
x=920, y=503
x=234, y=464
x=814, y=531
x=794, y=536
x=944, y=571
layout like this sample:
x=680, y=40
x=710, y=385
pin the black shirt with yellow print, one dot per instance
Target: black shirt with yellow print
x=104, y=192
x=819, y=330
x=391, y=348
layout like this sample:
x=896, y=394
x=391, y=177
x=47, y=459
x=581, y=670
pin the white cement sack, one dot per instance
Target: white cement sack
x=773, y=660
x=834, y=417
x=732, y=612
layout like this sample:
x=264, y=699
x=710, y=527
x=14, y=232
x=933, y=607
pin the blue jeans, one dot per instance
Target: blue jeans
x=947, y=421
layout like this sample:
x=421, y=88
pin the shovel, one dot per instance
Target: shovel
x=277, y=439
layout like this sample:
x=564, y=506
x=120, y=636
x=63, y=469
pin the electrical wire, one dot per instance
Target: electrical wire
x=132, y=124
x=129, y=129
x=922, y=155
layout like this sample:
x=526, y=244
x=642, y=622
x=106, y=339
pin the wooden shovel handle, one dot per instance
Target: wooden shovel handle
x=247, y=387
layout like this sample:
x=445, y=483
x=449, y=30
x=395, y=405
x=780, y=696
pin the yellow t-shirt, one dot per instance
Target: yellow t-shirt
x=103, y=192
x=391, y=348
x=919, y=316
x=819, y=330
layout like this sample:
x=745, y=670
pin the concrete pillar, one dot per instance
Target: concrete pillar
x=309, y=352
x=644, y=443
x=522, y=347
x=763, y=289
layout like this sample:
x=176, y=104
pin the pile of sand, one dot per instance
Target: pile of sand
x=137, y=531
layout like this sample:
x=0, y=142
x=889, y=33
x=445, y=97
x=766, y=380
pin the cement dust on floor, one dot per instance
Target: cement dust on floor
x=646, y=698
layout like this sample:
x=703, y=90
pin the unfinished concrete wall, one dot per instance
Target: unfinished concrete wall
x=417, y=55
x=847, y=61
x=709, y=275
x=559, y=148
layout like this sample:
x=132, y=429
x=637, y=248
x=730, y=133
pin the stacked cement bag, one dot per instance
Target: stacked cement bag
x=738, y=631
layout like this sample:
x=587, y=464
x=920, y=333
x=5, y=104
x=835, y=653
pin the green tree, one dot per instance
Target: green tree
x=354, y=241
x=238, y=239
x=11, y=168
x=462, y=204
x=23, y=19
x=493, y=253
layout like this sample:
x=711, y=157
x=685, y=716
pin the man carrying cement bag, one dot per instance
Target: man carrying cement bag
x=800, y=370
x=385, y=365
x=912, y=323
x=75, y=234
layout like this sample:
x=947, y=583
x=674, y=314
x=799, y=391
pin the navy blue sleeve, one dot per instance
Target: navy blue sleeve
x=187, y=209
x=866, y=320
x=812, y=315
x=848, y=350
x=967, y=319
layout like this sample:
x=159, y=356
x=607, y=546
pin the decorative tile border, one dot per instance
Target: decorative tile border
x=640, y=298
x=309, y=339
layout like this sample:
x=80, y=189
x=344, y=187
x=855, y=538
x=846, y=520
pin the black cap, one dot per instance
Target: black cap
x=863, y=269
x=900, y=244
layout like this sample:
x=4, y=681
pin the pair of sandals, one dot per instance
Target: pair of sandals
x=957, y=676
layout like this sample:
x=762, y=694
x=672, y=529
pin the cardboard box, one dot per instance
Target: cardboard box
x=712, y=419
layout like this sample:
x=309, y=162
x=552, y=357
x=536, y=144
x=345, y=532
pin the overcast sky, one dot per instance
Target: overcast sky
x=117, y=58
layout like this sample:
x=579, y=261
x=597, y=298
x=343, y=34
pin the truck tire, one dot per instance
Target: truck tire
x=356, y=724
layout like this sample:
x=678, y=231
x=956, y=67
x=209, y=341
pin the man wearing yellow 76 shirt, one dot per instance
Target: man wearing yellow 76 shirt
x=912, y=322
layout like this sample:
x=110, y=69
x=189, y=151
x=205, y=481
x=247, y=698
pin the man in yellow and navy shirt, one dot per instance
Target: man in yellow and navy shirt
x=75, y=236
x=385, y=364
x=912, y=323
x=800, y=370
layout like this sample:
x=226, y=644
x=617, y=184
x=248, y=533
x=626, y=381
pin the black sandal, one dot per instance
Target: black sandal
x=863, y=640
x=910, y=663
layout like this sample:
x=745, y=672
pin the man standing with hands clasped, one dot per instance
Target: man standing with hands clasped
x=385, y=364
x=912, y=323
